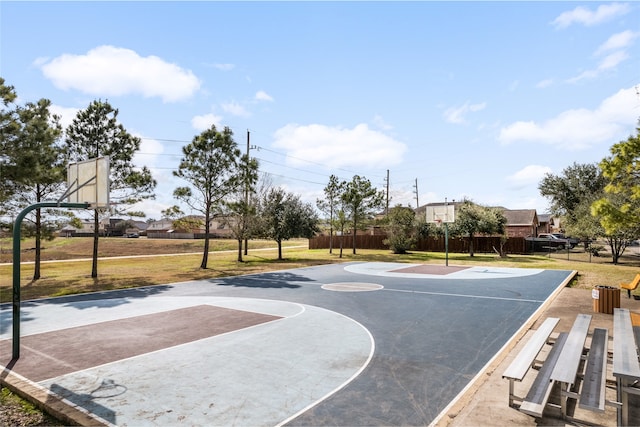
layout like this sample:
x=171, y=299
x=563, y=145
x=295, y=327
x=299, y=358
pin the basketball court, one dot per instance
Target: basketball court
x=346, y=344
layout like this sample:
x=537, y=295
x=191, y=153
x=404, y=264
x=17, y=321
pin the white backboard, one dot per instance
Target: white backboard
x=441, y=214
x=88, y=182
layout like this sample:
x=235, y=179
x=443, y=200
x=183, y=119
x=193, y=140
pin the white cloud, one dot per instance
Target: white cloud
x=66, y=114
x=584, y=16
x=148, y=154
x=614, y=54
x=528, y=175
x=544, y=83
x=114, y=71
x=612, y=61
x=338, y=147
x=263, y=96
x=235, y=109
x=204, y=122
x=609, y=62
x=224, y=67
x=380, y=123
x=579, y=129
x=618, y=41
x=456, y=114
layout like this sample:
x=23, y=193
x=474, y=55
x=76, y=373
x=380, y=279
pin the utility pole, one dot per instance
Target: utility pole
x=417, y=201
x=246, y=195
x=387, y=209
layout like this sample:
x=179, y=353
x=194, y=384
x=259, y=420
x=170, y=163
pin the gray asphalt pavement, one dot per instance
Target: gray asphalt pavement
x=349, y=344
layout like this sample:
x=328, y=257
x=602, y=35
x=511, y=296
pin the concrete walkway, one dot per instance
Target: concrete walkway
x=485, y=403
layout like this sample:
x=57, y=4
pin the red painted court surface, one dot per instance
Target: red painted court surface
x=358, y=344
x=56, y=353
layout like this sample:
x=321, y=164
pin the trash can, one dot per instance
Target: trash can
x=605, y=299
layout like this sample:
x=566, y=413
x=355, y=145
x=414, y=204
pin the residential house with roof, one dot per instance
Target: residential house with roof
x=522, y=222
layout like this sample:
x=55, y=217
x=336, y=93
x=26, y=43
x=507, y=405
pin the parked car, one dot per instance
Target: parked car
x=133, y=235
x=572, y=240
x=548, y=240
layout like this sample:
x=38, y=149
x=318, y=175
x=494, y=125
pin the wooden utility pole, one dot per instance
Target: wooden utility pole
x=246, y=195
x=387, y=209
x=417, y=201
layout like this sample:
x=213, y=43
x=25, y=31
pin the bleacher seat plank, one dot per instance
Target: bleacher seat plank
x=592, y=395
x=538, y=394
x=566, y=369
x=527, y=356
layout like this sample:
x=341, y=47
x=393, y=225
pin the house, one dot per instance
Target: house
x=190, y=227
x=522, y=222
x=161, y=226
x=84, y=231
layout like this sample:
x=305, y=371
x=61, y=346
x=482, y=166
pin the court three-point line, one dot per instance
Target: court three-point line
x=463, y=295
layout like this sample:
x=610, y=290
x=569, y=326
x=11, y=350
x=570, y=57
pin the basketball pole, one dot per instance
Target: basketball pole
x=446, y=244
x=16, y=264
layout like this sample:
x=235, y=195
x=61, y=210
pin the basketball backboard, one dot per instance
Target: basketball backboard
x=88, y=182
x=438, y=214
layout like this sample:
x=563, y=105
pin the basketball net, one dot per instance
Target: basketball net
x=438, y=223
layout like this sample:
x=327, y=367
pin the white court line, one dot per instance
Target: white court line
x=345, y=383
x=390, y=269
x=463, y=295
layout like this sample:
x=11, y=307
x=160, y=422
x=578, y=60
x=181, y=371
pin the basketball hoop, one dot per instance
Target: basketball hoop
x=438, y=222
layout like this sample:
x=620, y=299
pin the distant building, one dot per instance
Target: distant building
x=522, y=222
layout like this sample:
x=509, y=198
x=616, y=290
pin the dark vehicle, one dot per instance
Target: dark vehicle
x=572, y=240
x=549, y=241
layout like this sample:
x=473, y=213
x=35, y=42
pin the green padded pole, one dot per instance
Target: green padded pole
x=16, y=264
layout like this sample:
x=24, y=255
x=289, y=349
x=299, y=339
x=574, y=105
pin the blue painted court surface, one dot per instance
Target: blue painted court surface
x=346, y=344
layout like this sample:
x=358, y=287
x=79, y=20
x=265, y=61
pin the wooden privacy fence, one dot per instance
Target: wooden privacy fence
x=188, y=236
x=481, y=244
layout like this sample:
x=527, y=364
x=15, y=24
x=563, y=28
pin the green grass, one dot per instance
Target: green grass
x=72, y=277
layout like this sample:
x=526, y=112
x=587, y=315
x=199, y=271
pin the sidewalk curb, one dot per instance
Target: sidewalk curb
x=56, y=406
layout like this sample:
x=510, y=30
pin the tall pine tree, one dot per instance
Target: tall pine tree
x=95, y=132
x=212, y=165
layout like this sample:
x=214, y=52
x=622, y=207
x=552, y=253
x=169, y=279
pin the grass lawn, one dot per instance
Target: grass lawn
x=67, y=265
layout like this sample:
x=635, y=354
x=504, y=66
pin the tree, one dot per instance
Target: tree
x=361, y=200
x=618, y=209
x=571, y=195
x=9, y=129
x=566, y=191
x=284, y=216
x=473, y=219
x=622, y=171
x=617, y=221
x=179, y=221
x=341, y=222
x=329, y=205
x=95, y=132
x=211, y=165
x=401, y=229
x=240, y=210
x=40, y=155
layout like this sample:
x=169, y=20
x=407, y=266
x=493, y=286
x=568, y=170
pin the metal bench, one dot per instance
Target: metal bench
x=563, y=366
x=626, y=368
x=528, y=356
x=565, y=371
x=536, y=399
x=592, y=393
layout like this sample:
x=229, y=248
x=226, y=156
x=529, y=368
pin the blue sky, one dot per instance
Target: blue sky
x=466, y=99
